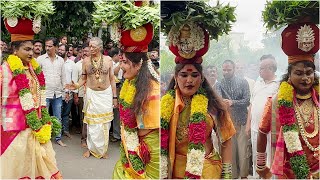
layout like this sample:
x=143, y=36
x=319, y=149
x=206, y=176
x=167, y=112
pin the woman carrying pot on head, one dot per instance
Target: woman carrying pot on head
x=26, y=126
x=292, y=115
x=139, y=102
x=191, y=112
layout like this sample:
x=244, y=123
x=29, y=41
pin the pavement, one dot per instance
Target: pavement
x=73, y=166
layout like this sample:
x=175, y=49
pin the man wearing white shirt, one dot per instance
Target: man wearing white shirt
x=114, y=54
x=67, y=97
x=264, y=88
x=80, y=93
x=53, y=69
x=212, y=74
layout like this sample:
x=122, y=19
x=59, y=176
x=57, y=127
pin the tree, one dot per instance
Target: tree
x=5, y=36
x=71, y=18
x=219, y=51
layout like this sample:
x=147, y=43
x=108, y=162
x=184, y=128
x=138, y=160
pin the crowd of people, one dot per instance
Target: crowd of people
x=64, y=68
x=195, y=125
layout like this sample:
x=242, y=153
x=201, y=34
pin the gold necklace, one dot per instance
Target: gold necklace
x=307, y=96
x=186, y=100
x=35, y=91
x=302, y=121
x=306, y=110
x=97, y=68
x=305, y=134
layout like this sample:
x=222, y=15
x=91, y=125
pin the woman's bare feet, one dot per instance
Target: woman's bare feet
x=86, y=154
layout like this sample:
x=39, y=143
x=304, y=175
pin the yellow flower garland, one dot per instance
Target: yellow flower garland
x=44, y=134
x=167, y=106
x=34, y=64
x=131, y=138
x=285, y=92
x=127, y=92
x=199, y=104
x=15, y=63
x=291, y=132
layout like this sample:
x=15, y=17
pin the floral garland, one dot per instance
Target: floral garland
x=129, y=123
x=298, y=159
x=42, y=128
x=196, y=133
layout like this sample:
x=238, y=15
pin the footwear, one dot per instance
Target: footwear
x=61, y=143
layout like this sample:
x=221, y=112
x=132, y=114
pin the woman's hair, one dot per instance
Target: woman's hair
x=306, y=63
x=215, y=104
x=143, y=80
x=15, y=45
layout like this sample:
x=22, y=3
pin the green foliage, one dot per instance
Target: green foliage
x=293, y=127
x=167, y=63
x=164, y=124
x=172, y=93
x=123, y=156
x=217, y=20
x=198, y=146
x=45, y=116
x=300, y=166
x=38, y=70
x=5, y=36
x=23, y=92
x=164, y=152
x=133, y=130
x=197, y=117
x=283, y=102
x=136, y=162
x=28, y=9
x=56, y=126
x=33, y=121
x=72, y=18
x=126, y=13
x=202, y=91
x=280, y=13
x=219, y=51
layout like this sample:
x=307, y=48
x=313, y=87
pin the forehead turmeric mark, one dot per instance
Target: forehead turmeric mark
x=189, y=70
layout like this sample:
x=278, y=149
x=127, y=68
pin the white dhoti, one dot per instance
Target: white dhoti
x=98, y=114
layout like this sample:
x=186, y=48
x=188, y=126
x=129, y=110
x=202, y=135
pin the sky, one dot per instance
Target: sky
x=249, y=19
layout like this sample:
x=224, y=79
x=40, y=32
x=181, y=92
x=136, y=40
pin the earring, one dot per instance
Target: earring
x=175, y=84
x=289, y=80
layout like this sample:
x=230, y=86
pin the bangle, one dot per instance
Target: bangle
x=261, y=158
x=115, y=97
x=226, y=171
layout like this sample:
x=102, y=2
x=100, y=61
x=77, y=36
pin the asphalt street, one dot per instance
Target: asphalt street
x=73, y=166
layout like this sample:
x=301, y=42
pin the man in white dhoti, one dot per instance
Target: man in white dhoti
x=101, y=97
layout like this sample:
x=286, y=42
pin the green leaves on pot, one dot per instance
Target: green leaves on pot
x=278, y=14
x=126, y=13
x=217, y=19
x=29, y=9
